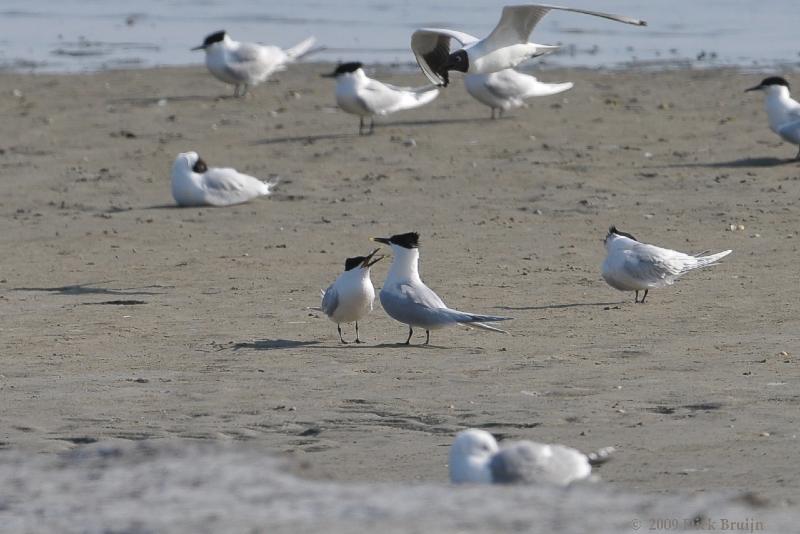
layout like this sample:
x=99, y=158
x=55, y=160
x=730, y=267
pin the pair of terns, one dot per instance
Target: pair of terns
x=404, y=296
x=629, y=266
x=488, y=63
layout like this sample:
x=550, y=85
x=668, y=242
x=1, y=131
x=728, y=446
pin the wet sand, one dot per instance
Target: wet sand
x=127, y=318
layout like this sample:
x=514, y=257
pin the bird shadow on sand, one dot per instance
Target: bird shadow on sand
x=560, y=306
x=402, y=345
x=153, y=101
x=431, y=122
x=741, y=163
x=273, y=344
x=308, y=139
x=92, y=289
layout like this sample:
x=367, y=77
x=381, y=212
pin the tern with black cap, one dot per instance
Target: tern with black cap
x=194, y=183
x=349, y=298
x=358, y=94
x=408, y=300
x=506, y=47
x=634, y=266
x=783, y=111
x=247, y=64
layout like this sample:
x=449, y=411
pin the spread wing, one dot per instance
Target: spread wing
x=526, y=462
x=431, y=47
x=330, y=301
x=517, y=22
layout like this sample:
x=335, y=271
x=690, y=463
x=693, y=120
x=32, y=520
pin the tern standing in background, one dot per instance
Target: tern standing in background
x=506, y=47
x=408, y=300
x=783, y=111
x=246, y=64
x=196, y=184
x=349, y=298
x=634, y=266
x=476, y=458
x=360, y=95
x=508, y=89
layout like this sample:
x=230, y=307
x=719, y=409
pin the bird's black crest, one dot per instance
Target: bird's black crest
x=345, y=68
x=774, y=80
x=613, y=230
x=200, y=165
x=409, y=240
x=214, y=38
x=352, y=263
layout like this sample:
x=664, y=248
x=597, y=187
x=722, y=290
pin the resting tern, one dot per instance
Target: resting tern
x=194, y=183
x=508, y=89
x=350, y=297
x=634, y=266
x=360, y=95
x=506, y=47
x=783, y=111
x=246, y=64
x=476, y=458
x=408, y=300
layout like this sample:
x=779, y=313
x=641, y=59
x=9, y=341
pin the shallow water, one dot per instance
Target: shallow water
x=80, y=35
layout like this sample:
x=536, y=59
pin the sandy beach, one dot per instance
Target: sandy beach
x=126, y=318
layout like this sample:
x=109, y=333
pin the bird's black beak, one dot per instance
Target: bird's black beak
x=756, y=88
x=366, y=264
x=384, y=240
x=201, y=47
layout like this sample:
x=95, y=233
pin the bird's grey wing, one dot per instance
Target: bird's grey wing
x=330, y=301
x=224, y=179
x=649, y=264
x=431, y=47
x=423, y=295
x=534, y=463
x=517, y=22
x=378, y=97
x=791, y=131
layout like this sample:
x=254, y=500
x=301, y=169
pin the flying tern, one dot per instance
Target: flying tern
x=634, y=266
x=508, y=89
x=246, y=64
x=408, y=300
x=783, y=111
x=349, y=298
x=476, y=458
x=506, y=47
x=194, y=183
x=358, y=94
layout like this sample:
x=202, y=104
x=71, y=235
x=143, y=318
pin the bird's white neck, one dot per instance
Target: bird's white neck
x=404, y=264
x=778, y=103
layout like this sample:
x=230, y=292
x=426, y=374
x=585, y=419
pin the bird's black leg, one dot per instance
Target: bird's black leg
x=360, y=125
x=427, y=336
x=236, y=91
x=636, y=298
x=644, y=297
x=357, y=340
x=371, y=125
x=339, y=328
x=244, y=92
x=410, y=331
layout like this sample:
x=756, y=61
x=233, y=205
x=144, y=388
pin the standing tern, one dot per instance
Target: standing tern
x=246, y=64
x=194, y=183
x=350, y=297
x=634, y=266
x=408, y=300
x=476, y=458
x=783, y=111
x=358, y=94
x=506, y=47
x=508, y=89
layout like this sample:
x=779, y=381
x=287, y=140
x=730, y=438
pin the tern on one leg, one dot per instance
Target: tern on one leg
x=408, y=300
x=349, y=298
x=634, y=266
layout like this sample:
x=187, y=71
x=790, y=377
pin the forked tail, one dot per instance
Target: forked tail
x=301, y=49
x=479, y=321
x=711, y=259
